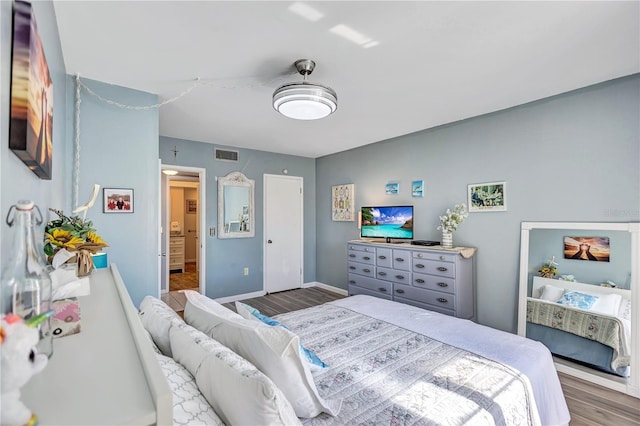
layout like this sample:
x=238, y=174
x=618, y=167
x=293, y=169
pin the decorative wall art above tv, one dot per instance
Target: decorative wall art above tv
x=487, y=197
x=343, y=202
x=30, y=131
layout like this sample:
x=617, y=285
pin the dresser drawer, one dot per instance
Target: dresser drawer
x=176, y=242
x=354, y=289
x=430, y=297
x=388, y=274
x=415, y=303
x=384, y=257
x=359, y=247
x=434, y=282
x=435, y=267
x=176, y=250
x=445, y=257
x=402, y=260
x=362, y=257
x=362, y=269
x=379, y=286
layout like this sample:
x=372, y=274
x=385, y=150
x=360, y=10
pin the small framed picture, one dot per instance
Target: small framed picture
x=392, y=188
x=417, y=188
x=487, y=197
x=191, y=206
x=118, y=200
x=343, y=202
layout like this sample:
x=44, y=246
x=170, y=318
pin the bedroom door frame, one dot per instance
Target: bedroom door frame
x=283, y=202
x=163, y=241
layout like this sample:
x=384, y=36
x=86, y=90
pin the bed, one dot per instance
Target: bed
x=387, y=364
x=581, y=322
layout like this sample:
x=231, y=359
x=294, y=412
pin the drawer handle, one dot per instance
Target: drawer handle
x=442, y=300
x=420, y=255
x=352, y=267
x=352, y=282
x=420, y=281
x=366, y=270
x=352, y=255
x=400, y=291
x=400, y=277
x=382, y=257
x=419, y=265
x=442, y=268
x=443, y=284
x=382, y=274
x=366, y=258
x=382, y=289
x=442, y=258
x=366, y=249
x=399, y=259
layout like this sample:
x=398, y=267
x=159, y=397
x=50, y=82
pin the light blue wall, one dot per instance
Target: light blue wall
x=573, y=157
x=119, y=149
x=226, y=258
x=16, y=180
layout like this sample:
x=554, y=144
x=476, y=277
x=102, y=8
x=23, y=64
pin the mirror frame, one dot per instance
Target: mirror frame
x=630, y=385
x=240, y=180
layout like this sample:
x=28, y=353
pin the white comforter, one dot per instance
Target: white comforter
x=529, y=357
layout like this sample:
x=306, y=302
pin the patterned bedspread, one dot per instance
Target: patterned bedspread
x=604, y=329
x=387, y=375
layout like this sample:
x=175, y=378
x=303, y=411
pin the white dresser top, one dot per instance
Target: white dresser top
x=96, y=377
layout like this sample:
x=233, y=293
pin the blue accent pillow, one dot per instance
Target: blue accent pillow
x=578, y=300
x=308, y=354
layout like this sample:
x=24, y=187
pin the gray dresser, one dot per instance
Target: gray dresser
x=433, y=278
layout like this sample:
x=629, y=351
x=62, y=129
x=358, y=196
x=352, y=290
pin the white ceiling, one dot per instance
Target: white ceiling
x=435, y=62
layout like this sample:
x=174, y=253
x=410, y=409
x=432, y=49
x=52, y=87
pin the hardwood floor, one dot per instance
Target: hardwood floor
x=589, y=404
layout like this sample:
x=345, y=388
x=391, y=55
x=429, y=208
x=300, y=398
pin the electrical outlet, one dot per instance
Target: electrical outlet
x=246, y=271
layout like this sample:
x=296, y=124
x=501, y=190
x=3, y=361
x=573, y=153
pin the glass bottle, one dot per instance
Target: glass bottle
x=26, y=284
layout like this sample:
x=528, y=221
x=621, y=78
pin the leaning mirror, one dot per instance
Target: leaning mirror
x=579, y=296
x=236, y=217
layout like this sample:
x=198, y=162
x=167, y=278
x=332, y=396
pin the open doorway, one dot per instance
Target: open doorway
x=182, y=213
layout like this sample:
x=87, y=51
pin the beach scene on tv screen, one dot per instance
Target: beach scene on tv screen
x=391, y=222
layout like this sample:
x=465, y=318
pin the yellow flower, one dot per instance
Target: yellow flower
x=94, y=238
x=62, y=238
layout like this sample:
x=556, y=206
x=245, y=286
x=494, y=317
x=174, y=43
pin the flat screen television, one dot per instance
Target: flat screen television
x=388, y=222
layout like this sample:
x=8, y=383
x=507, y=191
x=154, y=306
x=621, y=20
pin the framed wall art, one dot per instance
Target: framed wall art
x=30, y=130
x=417, y=188
x=596, y=249
x=343, y=202
x=118, y=200
x=392, y=188
x=487, y=197
x=191, y=206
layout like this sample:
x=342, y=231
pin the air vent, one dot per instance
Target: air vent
x=225, y=155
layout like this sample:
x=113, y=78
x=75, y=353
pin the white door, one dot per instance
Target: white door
x=283, y=233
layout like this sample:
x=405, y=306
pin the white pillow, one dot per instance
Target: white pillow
x=551, y=293
x=608, y=304
x=237, y=390
x=274, y=350
x=157, y=317
x=189, y=405
x=625, y=309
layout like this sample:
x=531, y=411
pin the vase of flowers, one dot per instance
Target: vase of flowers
x=75, y=235
x=449, y=223
x=550, y=269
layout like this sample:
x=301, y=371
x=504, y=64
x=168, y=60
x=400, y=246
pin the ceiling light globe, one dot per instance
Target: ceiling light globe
x=305, y=101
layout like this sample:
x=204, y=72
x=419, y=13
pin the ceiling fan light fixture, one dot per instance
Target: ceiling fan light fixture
x=304, y=100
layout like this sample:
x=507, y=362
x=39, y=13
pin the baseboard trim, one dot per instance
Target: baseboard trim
x=328, y=287
x=244, y=296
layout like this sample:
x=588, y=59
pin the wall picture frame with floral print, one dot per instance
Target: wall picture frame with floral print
x=343, y=203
